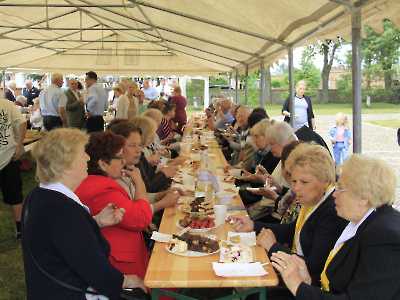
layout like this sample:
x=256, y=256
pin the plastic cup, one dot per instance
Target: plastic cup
x=187, y=147
x=242, y=143
x=235, y=172
x=220, y=214
x=195, y=138
x=203, y=139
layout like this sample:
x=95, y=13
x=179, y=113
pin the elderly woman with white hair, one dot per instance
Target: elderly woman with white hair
x=364, y=262
x=20, y=103
x=317, y=227
x=11, y=86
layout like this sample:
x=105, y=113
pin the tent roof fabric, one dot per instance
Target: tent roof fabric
x=171, y=37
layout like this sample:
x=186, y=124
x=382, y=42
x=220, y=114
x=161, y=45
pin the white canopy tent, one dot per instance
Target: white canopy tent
x=179, y=37
x=171, y=37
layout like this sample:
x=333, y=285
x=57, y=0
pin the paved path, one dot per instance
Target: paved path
x=377, y=140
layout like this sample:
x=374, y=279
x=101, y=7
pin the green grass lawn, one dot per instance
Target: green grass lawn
x=393, y=123
x=331, y=109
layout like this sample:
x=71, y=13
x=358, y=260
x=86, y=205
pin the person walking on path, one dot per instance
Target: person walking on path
x=340, y=135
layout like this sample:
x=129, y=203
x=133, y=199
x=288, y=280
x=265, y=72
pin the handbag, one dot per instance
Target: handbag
x=126, y=294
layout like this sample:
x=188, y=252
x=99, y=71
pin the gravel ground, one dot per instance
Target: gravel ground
x=376, y=140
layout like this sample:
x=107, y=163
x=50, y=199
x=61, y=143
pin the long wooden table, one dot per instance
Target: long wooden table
x=167, y=270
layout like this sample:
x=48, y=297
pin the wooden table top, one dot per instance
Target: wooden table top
x=167, y=270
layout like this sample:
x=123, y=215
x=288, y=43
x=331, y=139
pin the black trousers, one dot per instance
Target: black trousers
x=94, y=124
x=51, y=122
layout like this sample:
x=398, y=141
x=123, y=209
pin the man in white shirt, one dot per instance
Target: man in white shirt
x=163, y=87
x=12, y=133
x=53, y=102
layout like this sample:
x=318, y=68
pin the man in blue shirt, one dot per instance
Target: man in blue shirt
x=96, y=103
x=227, y=117
x=150, y=93
x=52, y=102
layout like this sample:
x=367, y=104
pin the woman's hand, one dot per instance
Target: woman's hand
x=133, y=173
x=178, y=161
x=169, y=137
x=292, y=268
x=273, y=182
x=175, y=189
x=208, y=112
x=261, y=170
x=154, y=159
x=227, y=168
x=242, y=223
x=266, y=239
x=256, y=178
x=109, y=216
x=132, y=282
x=169, y=171
x=267, y=193
x=169, y=200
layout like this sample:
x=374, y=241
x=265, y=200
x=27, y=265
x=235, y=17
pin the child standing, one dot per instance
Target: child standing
x=340, y=135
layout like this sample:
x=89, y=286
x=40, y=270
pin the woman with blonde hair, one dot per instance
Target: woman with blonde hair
x=155, y=180
x=364, y=262
x=303, y=108
x=317, y=227
x=64, y=239
x=340, y=136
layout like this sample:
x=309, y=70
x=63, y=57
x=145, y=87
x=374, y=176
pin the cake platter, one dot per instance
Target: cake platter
x=195, y=212
x=192, y=253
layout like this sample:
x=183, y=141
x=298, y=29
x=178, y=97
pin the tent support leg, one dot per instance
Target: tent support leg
x=262, y=82
x=356, y=76
x=291, y=86
x=237, y=87
x=229, y=84
x=247, y=85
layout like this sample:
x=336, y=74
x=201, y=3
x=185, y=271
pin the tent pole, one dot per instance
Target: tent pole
x=206, y=92
x=237, y=87
x=356, y=76
x=4, y=83
x=229, y=84
x=291, y=86
x=247, y=85
x=262, y=83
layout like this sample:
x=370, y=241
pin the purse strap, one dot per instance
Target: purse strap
x=66, y=285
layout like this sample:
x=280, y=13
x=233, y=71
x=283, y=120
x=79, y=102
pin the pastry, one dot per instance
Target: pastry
x=235, y=239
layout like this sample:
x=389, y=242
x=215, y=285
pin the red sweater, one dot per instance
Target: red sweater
x=128, y=250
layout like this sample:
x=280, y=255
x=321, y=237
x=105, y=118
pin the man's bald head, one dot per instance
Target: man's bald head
x=73, y=84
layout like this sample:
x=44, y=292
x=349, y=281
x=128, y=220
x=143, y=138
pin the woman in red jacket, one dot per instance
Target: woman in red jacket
x=128, y=249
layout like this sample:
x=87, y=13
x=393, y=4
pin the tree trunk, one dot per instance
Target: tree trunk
x=267, y=86
x=326, y=70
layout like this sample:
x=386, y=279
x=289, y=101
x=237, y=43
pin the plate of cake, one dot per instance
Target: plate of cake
x=197, y=206
x=192, y=245
x=240, y=253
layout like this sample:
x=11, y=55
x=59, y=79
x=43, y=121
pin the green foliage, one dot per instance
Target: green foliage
x=34, y=77
x=282, y=69
x=195, y=91
x=276, y=83
x=218, y=81
x=253, y=89
x=344, y=85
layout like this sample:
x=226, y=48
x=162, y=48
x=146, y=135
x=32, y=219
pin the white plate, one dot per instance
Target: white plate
x=222, y=256
x=245, y=237
x=199, y=213
x=185, y=200
x=192, y=253
x=197, y=230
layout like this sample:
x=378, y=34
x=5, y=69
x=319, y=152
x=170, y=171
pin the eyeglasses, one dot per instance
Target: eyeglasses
x=119, y=157
x=338, y=190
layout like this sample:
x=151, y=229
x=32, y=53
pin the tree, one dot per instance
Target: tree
x=385, y=49
x=344, y=85
x=253, y=89
x=276, y=83
x=194, y=91
x=308, y=72
x=282, y=69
